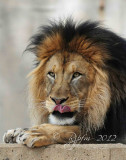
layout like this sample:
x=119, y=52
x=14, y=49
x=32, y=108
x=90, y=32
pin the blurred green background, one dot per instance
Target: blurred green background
x=19, y=19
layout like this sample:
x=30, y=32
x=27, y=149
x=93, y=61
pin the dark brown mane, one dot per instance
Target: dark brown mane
x=102, y=48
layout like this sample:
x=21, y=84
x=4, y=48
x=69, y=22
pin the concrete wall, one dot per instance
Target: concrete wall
x=64, y=152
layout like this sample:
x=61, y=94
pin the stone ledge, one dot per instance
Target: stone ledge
x=64, y=152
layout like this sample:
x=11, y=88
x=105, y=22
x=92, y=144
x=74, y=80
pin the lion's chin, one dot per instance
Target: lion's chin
x=58, y=118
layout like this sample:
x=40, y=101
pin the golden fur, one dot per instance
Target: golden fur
x=96, y=96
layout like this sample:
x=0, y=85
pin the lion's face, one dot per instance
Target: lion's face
x=66, y=89
x=67, y=83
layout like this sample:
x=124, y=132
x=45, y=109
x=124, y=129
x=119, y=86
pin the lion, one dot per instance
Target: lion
x=77, y=88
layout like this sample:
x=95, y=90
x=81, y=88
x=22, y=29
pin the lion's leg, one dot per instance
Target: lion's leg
x=47, y=134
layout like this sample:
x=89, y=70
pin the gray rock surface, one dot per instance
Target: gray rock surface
x=64, y=152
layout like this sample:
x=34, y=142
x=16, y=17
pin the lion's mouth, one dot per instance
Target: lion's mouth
x=62, y=109
x=63, y=115
x=63, y=112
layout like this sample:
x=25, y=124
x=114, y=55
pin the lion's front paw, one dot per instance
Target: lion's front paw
x=11, y=135
x=33, y=138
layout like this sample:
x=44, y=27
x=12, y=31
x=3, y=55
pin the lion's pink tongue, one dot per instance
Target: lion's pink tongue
x=62, y=109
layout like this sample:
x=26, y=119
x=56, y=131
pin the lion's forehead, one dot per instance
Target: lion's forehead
x=67, y=62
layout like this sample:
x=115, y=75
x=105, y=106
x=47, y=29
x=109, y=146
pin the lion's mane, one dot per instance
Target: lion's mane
x=109, y=53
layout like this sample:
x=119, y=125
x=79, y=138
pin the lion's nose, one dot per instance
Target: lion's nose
x=59, y=100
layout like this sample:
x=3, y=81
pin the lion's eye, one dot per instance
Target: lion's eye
x=76, y=74
x=51, y=74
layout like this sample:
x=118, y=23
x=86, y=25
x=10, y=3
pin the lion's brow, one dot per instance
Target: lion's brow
x=73, y=61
